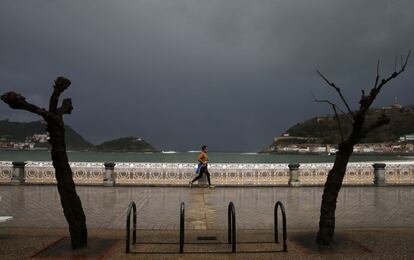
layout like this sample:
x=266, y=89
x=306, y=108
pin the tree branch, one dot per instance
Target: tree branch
x=395, y=73
x=66, y=107
x=338, y=120
x=396, y=62
x=337, y=90
x=382, y=120
x=61, y=84
x=17, y=101
x=378, y=76
x=337, y=107
x=366, y=101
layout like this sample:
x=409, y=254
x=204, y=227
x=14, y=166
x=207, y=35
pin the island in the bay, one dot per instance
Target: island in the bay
x=33, y=136
x=320, y=135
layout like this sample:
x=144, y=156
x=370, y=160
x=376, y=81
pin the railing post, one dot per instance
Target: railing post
x=182, y=226
x=18, y=177
x=294, y=174
x=109, y=178
x=379, y=174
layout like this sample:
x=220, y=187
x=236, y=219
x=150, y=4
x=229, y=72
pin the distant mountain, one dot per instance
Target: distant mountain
x=32, y=135
x=23, y=131
x=324, y=130
x=126, y=144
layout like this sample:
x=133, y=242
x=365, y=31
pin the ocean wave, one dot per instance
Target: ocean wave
x=168, y=152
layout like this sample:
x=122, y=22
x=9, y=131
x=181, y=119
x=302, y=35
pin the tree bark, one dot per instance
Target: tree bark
x=331, y=190
x=71, y=203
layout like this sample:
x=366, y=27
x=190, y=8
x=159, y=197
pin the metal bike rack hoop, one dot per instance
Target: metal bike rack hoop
x=182, y=226
x=282, y=209
x=231, y=228
x=131, y=208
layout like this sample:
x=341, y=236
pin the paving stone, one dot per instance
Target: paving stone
x=384, y=243
x=158, y=208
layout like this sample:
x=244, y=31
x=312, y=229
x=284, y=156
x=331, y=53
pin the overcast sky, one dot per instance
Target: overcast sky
x=181, y=73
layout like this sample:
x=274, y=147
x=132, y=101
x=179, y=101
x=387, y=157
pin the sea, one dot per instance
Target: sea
x=191, y=157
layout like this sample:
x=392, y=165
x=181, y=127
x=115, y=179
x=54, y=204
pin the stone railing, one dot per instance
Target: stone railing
x=399, y=173
x=356, y=174
x=181, y=173
x=83, y=173
x=224, y=174
x=6, y=172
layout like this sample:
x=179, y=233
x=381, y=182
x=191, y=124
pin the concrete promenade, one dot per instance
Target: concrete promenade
x=158, y=208
x=377, y=209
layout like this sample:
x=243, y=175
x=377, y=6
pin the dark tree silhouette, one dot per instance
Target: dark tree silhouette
x=71, y=203
x=359, y=130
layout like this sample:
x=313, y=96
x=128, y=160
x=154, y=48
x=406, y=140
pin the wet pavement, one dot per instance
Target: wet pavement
x=158, y=208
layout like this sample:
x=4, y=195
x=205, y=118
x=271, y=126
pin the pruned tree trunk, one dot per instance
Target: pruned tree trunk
x=71, y=203
x=336, y=175
x=330, y=193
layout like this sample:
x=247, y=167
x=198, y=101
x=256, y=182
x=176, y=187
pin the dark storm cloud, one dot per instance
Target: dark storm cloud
x=231, y=74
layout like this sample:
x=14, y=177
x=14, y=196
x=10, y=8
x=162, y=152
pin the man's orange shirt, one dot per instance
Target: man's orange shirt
x=203, y=157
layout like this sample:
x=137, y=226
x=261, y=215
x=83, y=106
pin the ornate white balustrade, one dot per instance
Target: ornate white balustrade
x=6, y=172
x=228, y=174
x=181, y=173
x=356, y=174
x=83, y=173
x=399, y=173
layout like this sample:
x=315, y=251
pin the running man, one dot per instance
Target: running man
x=203, y=161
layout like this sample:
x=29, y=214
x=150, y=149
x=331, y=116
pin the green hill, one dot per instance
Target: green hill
x=19, y=131
x=324, y=130
x=24, y=132
x=126, y=144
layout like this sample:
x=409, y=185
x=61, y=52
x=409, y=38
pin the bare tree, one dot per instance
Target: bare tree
x=71, y=203
x=359, y=130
